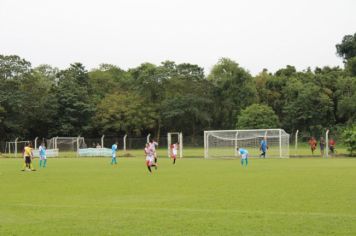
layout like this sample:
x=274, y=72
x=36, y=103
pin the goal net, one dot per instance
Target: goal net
x=172, y=138
x=16, y=148
x=223, y=143
x=67, y=144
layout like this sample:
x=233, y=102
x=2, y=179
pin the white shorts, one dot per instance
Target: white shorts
x=150, y=159
x=174, y=152
x=43, y=157
x=244, y=156
x=113, y=156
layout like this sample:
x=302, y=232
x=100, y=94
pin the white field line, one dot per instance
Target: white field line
x=193, y=210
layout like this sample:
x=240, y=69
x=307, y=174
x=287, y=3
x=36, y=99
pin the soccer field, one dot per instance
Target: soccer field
x=88, y=196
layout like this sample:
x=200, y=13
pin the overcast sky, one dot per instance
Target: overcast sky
x=255, y=33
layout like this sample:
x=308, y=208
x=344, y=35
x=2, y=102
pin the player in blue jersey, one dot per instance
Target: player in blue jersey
x=244, y=156
x=113, y=156
x=43, y=156
x=263, y=147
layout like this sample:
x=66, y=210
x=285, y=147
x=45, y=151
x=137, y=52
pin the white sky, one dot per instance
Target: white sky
x=257, y=34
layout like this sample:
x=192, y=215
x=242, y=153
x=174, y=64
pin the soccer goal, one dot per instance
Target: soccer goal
x=175, y=137
x=223, y=143
x=67, y=144
x=16, y=147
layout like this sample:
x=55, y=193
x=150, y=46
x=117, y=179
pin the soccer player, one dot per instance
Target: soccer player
x=312, y=143
x=149, y=158
x=174, y=151
x=43, y=157
x=322, y=146
x=244, y=156
x=263, y=147
x=332, y=146
x=28, y=156
x=153, y=144
x=113, y=156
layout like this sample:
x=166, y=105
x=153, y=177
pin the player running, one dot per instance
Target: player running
x=149, y=158
x=312, y=143
x=263, y=147
x=174, y=151
x=28, y=157
x=152, y=145
x=332, y=144
x=244, y=156
x=113, y=155
x=43, y=157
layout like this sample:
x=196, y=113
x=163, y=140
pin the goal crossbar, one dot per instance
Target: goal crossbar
x=223, y=143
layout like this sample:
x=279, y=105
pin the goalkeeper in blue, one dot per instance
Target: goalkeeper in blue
x=43, y=156
x=113, y=156
x=263, y=147
x=244, y=156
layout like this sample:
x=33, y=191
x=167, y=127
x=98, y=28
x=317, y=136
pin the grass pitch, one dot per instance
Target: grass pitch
x=88, y=196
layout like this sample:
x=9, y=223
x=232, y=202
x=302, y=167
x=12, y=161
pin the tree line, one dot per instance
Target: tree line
x=45, y=101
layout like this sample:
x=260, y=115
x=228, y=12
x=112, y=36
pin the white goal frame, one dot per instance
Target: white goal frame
x=180, y=140
x=12, y=147
x=227, y=141
x=76, y=143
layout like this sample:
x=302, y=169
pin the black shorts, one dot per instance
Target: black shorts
x=28, y=160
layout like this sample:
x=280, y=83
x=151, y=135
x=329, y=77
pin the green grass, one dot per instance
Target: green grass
x=87, y=196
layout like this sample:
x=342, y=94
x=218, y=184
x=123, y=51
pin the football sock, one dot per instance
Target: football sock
x=40, y=163
x=149, y=168
x=44, y=162
x=174, y=161
x=155, y=159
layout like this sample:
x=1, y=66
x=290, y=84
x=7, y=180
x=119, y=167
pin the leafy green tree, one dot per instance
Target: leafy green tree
x=346, y=93
x=13, y=67
x=106, y=80
x=13, y=71
x=234, y=89
x=307, y=107
x=187, y=99
x=347, y=48
x=286, y=72
x=257, y=116
x=124, y=112
x=37, y=108
x=349, y=136
x=74, y=105
x=350, y=66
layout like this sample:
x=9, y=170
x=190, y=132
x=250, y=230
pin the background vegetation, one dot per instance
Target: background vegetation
x=44, y=101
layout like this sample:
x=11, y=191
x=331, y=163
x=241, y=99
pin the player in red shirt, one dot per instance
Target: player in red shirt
x=312, y=143
x=332, y=145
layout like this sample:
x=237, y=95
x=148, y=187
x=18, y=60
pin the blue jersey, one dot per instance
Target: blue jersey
x=113, y=149
x=42, y=150
x=264, y=145
x=243, y=151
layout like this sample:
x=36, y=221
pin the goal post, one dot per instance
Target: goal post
x=66, y=144
x=179, y=138
x=223, y=143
